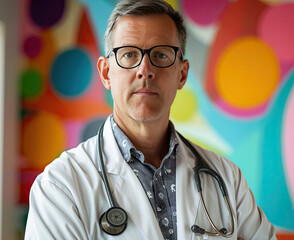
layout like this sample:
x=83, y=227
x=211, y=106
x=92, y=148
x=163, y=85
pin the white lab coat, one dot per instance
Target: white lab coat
x=68, y=198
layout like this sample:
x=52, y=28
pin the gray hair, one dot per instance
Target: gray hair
x=144, y=7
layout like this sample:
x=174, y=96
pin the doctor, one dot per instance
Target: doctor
x=147, y=164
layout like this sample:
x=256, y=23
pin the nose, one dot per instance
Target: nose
x=145, y=69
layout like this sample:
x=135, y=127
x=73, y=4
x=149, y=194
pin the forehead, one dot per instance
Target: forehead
x=145, y=31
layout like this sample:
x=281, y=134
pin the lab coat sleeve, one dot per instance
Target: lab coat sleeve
x=53, y=214
x=251, y=220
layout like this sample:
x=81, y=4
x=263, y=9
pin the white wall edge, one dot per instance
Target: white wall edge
x=9, y=16
x=2, y=54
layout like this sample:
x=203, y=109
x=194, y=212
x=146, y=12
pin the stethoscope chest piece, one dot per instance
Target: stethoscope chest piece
x=114, y=221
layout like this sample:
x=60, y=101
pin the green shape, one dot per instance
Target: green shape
x=30, y=84
x=24, y=113
x=247, y=155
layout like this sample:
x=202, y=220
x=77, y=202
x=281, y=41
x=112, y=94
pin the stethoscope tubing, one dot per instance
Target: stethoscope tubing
x=102, y=168
x=201, y=166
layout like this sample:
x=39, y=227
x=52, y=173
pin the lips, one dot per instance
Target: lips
x=145, y=92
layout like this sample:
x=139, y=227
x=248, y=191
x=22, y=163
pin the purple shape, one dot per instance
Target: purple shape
x=32, y=46
x=204, y=12
x=46, y=13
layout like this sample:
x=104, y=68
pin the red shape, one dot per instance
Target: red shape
x=27, y=178
x=32, y=46
x=68, y=109
x=239, y=19
x=86, y=37
x=285, y=236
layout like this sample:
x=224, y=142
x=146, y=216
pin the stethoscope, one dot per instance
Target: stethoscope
x=114, y=220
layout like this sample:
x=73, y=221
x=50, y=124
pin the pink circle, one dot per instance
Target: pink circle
x=241, y=113
x=276, y=28
x=288, y=140
x=204, y=12
x=73, y=132
x=32, y=46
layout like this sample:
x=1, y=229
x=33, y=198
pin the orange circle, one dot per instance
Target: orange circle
x=247, y=73
x=43, y=140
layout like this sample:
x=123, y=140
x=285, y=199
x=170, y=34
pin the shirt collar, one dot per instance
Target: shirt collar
x=127, y=148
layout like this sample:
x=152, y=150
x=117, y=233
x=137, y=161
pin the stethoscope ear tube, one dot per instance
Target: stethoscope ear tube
x=213, y=174
x=201, y=166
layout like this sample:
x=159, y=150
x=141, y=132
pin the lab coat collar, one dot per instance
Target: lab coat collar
x=113, y=160
x=187, y=195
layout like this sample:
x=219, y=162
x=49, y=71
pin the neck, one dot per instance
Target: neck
x=149, y=137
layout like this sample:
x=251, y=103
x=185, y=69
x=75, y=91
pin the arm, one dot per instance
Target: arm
x=251, y=221
x=52, y=213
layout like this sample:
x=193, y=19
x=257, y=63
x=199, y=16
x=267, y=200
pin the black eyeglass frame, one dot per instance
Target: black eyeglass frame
x=143, y=51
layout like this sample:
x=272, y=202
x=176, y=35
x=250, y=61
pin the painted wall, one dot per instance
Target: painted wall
x=239, y=99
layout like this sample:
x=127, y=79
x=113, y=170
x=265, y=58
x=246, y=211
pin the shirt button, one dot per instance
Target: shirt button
x=162, y=205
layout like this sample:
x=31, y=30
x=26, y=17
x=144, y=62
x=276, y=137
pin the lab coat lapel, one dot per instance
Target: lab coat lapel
x=187, y=195
x=128, y=191
x=131, y=195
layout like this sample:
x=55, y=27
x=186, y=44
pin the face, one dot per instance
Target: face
x=144, y=93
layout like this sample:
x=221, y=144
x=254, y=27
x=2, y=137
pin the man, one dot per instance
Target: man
x=148, y=166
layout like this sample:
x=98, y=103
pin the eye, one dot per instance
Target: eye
x=128, y=55
x=160, y=55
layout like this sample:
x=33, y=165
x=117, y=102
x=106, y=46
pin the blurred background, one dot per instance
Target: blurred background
x=238, y=101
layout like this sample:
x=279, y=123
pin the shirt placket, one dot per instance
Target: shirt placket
x=162, y=202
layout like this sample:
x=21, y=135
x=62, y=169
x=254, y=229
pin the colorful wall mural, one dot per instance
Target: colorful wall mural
x=238, y=101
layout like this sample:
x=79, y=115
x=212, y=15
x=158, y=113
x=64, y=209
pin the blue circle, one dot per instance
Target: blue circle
x=71, y=72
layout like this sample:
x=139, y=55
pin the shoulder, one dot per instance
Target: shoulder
x=222, y=165
x=214, y=159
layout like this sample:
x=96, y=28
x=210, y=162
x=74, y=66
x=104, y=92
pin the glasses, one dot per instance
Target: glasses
x=161, y=56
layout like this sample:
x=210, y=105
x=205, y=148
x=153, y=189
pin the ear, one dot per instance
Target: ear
x=183, y=74
x=103, y=69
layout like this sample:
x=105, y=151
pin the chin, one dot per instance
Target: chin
x=143, y=117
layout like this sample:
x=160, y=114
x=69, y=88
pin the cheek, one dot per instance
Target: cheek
x=119, y=86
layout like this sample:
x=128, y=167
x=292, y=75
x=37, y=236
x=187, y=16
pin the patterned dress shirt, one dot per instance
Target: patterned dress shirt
x=159, y=184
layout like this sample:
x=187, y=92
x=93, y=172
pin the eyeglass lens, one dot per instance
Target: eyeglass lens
x=161, y=56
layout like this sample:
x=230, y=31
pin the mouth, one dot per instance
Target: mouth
x=145, y=92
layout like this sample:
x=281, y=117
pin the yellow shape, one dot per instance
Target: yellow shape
x=271, y=2
x=65, y=32
x=174, y=4
x=184, y=105
x=247, y=73
x=43, y=140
